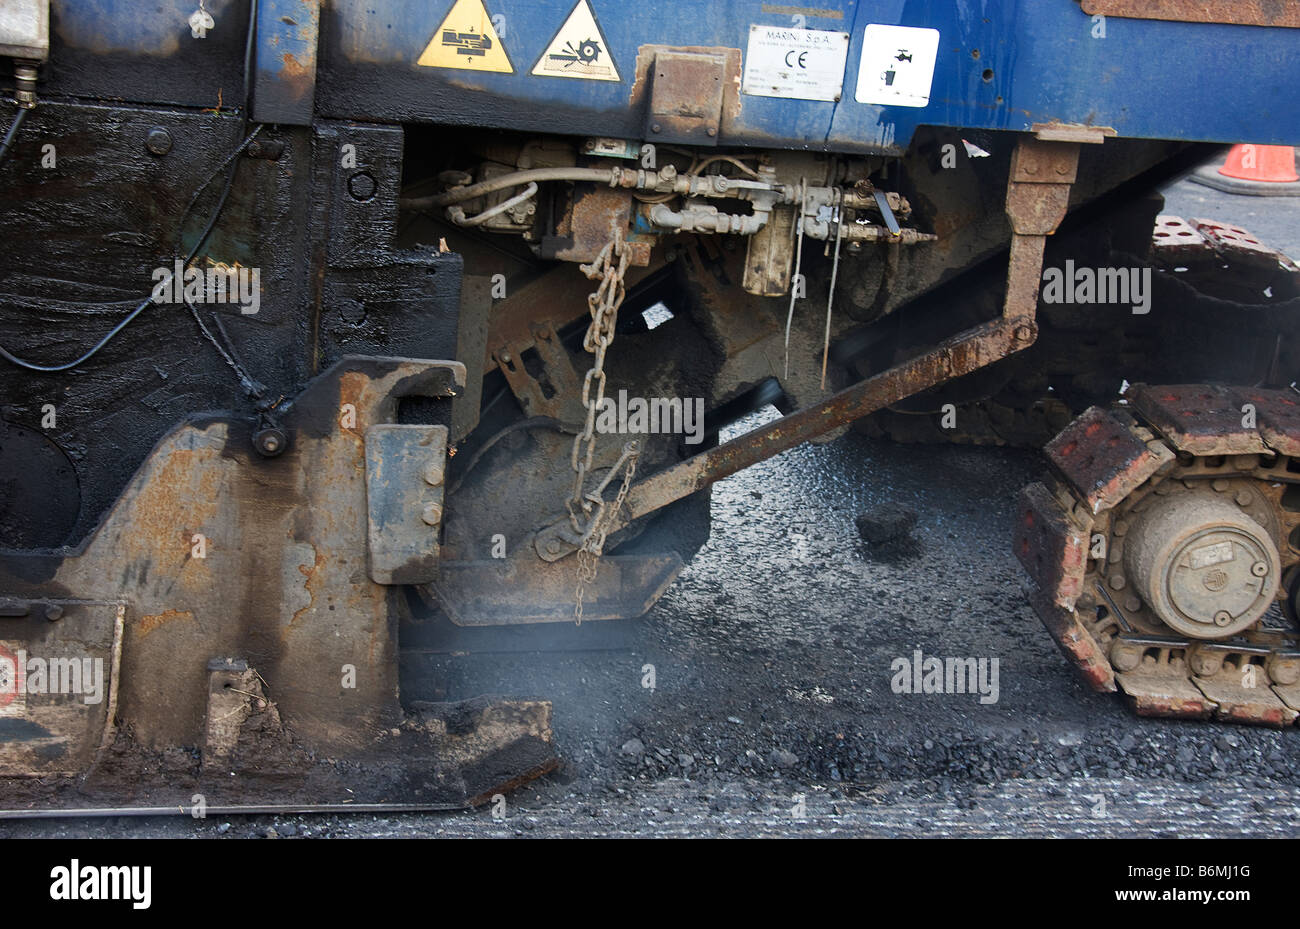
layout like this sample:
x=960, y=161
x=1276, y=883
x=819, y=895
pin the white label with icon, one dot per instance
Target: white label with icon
x=897, y=65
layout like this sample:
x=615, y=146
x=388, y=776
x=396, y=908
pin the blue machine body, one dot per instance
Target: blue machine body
x=1001, y=64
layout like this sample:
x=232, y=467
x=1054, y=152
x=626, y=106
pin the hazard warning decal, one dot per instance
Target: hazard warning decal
x=579, y=49
x=467, y=40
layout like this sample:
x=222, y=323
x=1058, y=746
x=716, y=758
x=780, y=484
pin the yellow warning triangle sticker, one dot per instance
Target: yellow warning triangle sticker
x=578, y=50
x=466, y=40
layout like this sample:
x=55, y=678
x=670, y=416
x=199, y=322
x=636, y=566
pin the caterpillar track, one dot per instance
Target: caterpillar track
x=1163, y=554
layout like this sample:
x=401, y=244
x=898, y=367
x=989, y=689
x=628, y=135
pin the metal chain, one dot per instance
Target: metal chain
x=587, y=509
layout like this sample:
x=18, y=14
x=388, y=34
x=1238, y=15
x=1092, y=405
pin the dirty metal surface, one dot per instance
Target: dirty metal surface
x=1277, y=415
x=284, y=81
x=497, y=592
x=1235, y=703
x=214, y=552
x=1175, y=241
x=1197, y=418
x=598, y=215
x=405, y=468
x=1075, y=642
x=1232, y=12
x=1104, y=457
x=1038, y=196
x=1165, y=692
x=1051, y=545
x=1237, y=244
x=688, y=94
x=59, y=681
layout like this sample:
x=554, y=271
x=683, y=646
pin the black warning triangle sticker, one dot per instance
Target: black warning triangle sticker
x=466, y=40
x=579, y=49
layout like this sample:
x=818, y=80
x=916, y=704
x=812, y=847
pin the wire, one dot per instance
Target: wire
x=13, y=132
x=126, y=321
x=252, y=386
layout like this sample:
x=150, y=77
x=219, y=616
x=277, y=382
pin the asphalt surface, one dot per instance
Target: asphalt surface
x=774, y=708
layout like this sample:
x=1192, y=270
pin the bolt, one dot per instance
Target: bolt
x=361, y=186
x=1259, y=569
x=1132, y=604
x=158, y=142
x=270, y=442
x=1220, y=485
x=505, y=358
x=590, y=146
x=656, y=128
x=1243, y=498
x=53, y=612
x=553, y=547
x=1222, y=618
x=1029, y=166
x=433, y=474
x=432, y=514
x=711, y=132
x=1116, y=581
x=1024, y=333
x=1062, y=170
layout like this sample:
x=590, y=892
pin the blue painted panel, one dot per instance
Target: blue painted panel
x=1038, y=61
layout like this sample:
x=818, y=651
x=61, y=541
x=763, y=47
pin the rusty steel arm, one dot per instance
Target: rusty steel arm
x=966, y=352
x=1038, y=195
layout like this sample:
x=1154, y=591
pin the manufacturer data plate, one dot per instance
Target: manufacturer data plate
x=800, y=64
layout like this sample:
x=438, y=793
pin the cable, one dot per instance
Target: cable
x=515, y=179
x=13, y=131
x=112, y=333
x=249, y=384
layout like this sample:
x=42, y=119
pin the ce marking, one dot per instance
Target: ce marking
x=800, y=59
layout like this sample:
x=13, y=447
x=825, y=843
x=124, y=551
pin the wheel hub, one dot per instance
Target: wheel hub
x=1205, y=568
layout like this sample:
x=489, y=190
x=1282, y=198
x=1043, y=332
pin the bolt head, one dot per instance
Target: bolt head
x=53, y=612
x=432, y=514
x=158, y=142
x=361, y=186
x=434, y=473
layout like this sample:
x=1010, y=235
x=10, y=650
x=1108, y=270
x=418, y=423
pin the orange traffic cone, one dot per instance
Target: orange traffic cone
x=1273, y=164
x=1256, y=170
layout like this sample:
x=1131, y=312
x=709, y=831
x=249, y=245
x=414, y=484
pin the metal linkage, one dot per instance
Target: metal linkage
x=587, y=509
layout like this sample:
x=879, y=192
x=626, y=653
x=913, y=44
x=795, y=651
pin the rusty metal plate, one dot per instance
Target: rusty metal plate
x=1256, y=705
x=1104, y=458
x=1075, y=642
x=59, y=667
x=687, y=89
x=1165, y=692
x=1232, y=12
x=1240, y=245
x=1052, y=548
x=1288, y=694
x=1277, y=414
x=405, y=465
x=1198, y=418
x=1174, y=242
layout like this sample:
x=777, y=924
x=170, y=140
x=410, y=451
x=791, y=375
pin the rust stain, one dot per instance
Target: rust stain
x=293, y=69
x=148, y=624
x=312, y=586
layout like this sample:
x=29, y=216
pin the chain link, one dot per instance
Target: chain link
x=588, y=510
